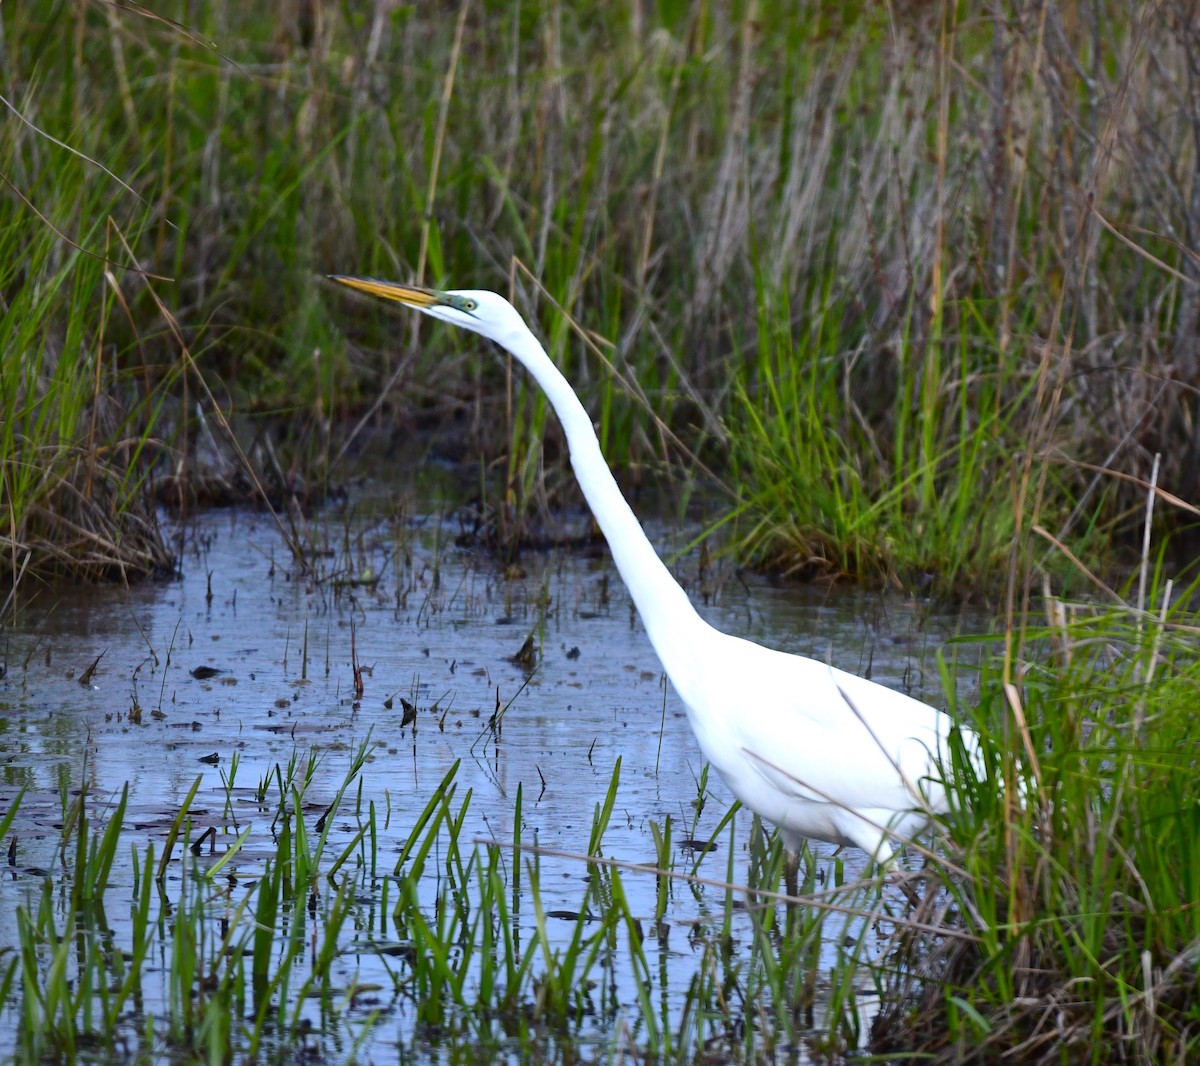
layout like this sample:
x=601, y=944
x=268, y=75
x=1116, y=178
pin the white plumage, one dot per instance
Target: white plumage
x=818, y=752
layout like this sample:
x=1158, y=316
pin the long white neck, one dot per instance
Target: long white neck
x=666, y=611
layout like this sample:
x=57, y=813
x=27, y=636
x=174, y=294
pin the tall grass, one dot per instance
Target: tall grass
x=1066, y=924
x=77, y=433
x=89, y=391
x=824, y=495
x=959, y=233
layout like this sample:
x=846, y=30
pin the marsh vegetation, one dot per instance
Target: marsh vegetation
x=907, y=295
x=356, y=818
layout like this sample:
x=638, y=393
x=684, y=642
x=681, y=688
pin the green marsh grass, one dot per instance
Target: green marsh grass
x=241, y=973
x=825, y=496
x=1078, y=905
x=266, y=941
x=946, y=229
x=77, y=426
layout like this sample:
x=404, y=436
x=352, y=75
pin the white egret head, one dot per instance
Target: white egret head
x=478, y=310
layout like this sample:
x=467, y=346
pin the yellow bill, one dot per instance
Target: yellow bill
x=390, y=290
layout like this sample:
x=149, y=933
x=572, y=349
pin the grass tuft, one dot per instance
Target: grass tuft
x=1071, y=928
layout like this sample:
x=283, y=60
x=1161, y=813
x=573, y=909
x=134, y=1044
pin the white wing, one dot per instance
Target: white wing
x=815, y=750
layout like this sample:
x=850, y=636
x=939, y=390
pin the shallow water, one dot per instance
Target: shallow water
x=431, y=624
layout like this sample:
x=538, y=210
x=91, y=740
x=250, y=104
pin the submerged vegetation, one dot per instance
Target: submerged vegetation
x=915, y=288
x=322, y=906
x=317, y=913
x=305, y=948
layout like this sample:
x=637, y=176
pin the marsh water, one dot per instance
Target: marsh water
x=244, y=663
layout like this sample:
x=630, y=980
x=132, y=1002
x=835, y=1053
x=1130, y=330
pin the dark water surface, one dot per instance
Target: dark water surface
x=433, y=625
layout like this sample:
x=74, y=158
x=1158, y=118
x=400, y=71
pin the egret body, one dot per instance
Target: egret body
x=818, y=752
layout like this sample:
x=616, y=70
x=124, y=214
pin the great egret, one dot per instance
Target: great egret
x=818, y=752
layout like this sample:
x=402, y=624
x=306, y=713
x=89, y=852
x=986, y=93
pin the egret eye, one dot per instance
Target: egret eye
x=452, y=299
